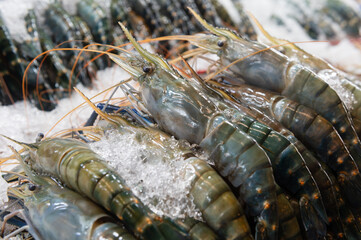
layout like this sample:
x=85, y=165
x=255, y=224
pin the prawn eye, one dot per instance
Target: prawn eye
x=32, y=187
x=39, y=137
x=220, y=43
x=147, y=69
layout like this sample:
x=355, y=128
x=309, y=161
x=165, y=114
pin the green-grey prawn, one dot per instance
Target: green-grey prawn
x=273, y=71
x=181, y=110
x=56, y=212
x=288, y=161
x=220, y=208
x=324, y=178
x=308, y=126
x=269, y=69
x=81, y=169
x=324, y=69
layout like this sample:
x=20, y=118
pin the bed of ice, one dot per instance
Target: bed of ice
x=162, y=184
x=159, y=176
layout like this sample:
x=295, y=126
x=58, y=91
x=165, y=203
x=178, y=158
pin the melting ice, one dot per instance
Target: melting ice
x=158, y=175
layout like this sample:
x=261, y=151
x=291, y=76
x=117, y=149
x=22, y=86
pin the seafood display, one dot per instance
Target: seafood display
x=262, y=144
x=43, y=198
x=52, y=76
x=326, y=19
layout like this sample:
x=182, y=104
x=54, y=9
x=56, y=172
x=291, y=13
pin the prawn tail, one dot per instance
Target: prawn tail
x=262, y=233
x=315, y=200
x=314, y=227
x=351, y=187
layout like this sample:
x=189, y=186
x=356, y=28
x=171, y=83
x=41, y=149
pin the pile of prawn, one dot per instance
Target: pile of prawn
x=51, y=76
x=274, y=151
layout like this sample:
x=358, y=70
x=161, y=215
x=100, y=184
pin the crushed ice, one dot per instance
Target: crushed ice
x=158, y=175
x=23, y=122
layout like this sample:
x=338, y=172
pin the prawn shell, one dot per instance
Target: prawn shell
x=48, y=156
x=198, y=230
x=9, y=52
x=247, y=94
x=73, y=162
x=55, y=212
x=261, y=69
x=311, y=128
x=110, y=231
x=289, y=228
x=308, y=89
x=95, y=17
x=219, y=207
x=247, y=167
x=269, y=69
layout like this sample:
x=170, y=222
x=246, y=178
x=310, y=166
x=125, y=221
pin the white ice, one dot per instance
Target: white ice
x=158, y=175
x=23, y=122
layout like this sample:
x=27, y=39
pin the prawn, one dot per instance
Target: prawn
x=182, y=111
x=311, y=128
x=56, y=212
x=220, y=208
x=266, y=68
x=77, y=166
x=323, y=68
